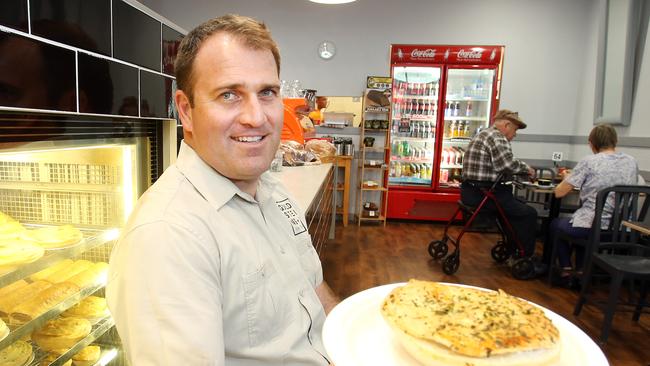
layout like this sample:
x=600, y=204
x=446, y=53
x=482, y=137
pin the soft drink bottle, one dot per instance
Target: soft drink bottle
x=456, y=108
x=468, y=109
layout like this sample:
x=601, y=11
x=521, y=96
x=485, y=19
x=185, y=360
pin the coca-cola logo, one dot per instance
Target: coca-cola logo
x=428, y=53
x=474, y=54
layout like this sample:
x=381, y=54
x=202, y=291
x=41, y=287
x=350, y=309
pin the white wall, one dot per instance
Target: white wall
x=550, y=58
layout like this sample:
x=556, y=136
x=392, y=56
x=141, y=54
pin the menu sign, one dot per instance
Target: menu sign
x=378, y=82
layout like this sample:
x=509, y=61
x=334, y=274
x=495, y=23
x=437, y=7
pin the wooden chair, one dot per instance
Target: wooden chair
x=617, y=253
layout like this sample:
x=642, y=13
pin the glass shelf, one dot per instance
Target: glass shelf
x=52, y=313
x=97, y=331
x=409, y=180
x=94, y=239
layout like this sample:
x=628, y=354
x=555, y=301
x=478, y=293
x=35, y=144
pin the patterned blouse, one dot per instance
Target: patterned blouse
x=594, y=173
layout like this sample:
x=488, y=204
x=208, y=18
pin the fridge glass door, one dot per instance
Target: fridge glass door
x=468, y=106
x=413, y=129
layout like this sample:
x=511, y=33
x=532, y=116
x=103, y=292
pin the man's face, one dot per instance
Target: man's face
x=235, y=122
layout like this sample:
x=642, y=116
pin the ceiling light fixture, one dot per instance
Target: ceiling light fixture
x=332, y=1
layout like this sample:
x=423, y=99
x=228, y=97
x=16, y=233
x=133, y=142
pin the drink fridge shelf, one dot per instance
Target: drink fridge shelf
x=92, y=239
x=456, y=140
x=409, y=180
x=464, y=118
x=414, y=139
x=410, y=160
x=451, y=166
x=97, y=331
x=416, y=117
x=52, y=313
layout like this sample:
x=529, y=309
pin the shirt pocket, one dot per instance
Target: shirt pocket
x=265, y=313
x=309, y=260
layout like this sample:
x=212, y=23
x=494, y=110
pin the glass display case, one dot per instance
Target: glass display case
x=59, y=175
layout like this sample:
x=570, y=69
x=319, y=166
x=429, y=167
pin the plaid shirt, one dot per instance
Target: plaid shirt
x=488, y=154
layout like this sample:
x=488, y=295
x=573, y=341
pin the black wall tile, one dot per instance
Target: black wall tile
x=136, y=36
x=13, y=14
x=171, y=39
x=34, y=74
x=153, y=101
x=109, y=87
x=81, y=23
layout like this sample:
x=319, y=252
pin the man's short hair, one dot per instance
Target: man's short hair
x=252, y=33
x=603, y=137
x=511, y=116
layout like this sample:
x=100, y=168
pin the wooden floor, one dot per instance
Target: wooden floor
x=369, y=256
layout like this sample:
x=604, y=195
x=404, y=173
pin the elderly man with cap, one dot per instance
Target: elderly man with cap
x=488, y=155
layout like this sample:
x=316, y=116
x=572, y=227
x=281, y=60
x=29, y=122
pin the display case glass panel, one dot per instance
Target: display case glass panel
x=468, y=107
x=413, y=126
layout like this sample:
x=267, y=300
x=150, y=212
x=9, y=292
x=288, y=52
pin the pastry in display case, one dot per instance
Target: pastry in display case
x=63, y=200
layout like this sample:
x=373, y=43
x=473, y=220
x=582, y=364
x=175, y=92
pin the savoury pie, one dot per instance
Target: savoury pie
x=455, y=325
x=87, y=356
x=54, y=237
x=61, y=333
x=14, y=253
x=92, y=308
x=16, y=354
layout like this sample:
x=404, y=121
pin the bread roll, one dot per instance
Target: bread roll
x=65, y=273
x=87, y=357
x=42, y=302
x=42, y=275
x=95, y=274
x=10, y=301
x=61, y=333
x=16, y=354
x=12, y=287
x=53, y=237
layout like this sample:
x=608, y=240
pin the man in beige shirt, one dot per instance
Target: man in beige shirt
x=215, y=266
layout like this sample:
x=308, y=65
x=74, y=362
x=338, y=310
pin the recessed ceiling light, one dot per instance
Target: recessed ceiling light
x=332, y=1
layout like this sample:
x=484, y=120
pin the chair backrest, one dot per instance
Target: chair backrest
x=626, y=205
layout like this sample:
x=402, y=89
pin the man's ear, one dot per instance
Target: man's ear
x=184, y=108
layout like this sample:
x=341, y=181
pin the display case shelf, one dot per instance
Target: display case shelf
x=375, y=218
x=378, y=189
x=93, y=238
x=376, y=130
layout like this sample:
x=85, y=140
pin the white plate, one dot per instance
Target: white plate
x=355, y=334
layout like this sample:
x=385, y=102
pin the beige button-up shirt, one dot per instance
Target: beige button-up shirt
x=205, y=274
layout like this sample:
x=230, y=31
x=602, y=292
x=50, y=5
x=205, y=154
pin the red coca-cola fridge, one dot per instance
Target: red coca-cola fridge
x=442, y=95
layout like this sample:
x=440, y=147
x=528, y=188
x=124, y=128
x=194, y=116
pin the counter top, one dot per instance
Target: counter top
x=303, y=182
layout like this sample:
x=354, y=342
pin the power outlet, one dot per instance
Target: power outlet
x=557, y=156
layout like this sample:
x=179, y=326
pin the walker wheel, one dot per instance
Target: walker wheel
x=500, y=252
x=438, y=249
x=523, y=269
x=450, y=264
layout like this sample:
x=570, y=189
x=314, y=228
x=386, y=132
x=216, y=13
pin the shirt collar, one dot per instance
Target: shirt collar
x=214, y=187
